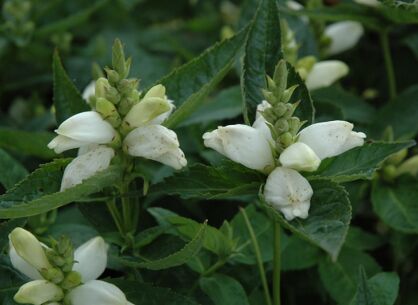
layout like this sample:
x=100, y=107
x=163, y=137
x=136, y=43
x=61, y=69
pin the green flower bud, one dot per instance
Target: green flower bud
x=398, y=157
x=38, y=292
x=280, y=78
x=281, y=126
x=305, y=65
x=280, y=109
x=389, y=172
x=128, y=101
x=108, y=111
x=71, y=280
x=294, y=125
x=53, y=275
x=119, y=63
x=286, y=139
x=287, y=94
x=410, y=166
x=112, y=76
x=105, y=90
x=126, y=86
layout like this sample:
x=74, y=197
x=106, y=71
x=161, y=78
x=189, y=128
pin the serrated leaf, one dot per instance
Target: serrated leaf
x=190, y=83
x=227, y=181
x=178, y=258
x=39, y=192
x=396, y=204
x=224, y=290
x=262, y=53
x=360, y=162
x=328, y=220
x=67, y=98
x=11, y=171
x=26, y=142
x=359, y=239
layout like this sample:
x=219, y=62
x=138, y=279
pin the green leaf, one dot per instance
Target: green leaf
x=11, y=171
x=328, y=220
x=39, y=192
x=178, y=258
x=140, y=293
x=67, y=98
x=340, y=278
x=297, y=254
x=26, y=142
x=227, y=181
x=360, y=162
x=189, y=84
x=262, y=53
x=359, y=239
x=396, y=204
x=381, y=289
x=224, y=290
x=10, y=281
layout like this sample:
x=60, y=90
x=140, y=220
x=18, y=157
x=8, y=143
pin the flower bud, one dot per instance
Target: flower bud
x=305, y=65
x=53, y=275
x=105, y=90
x=97, y=292
x=91, y=259
x=89, y=91
x=21, y=265
x=344, y=35
x=126, y=86
x=325, y=73
x=281, y=126
x=38, y=292
x=300, y=157
x=108, y=111
x=288, y=191
x=112, y=76
x=29, y=248
x=398, y=157
x=71, y=280
x=286, y=139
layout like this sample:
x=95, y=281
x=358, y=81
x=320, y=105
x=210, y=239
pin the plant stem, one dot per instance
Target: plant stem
x=276, y=264
x=384, y=40
x=111, y=206
x=258, y=257
x=214, y=267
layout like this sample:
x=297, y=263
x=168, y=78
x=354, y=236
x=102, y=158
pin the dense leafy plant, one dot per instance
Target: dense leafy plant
x=208, y=172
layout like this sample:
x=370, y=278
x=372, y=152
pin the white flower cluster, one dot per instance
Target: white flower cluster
x=285, y=189
x=96, y=138
x=48, y=286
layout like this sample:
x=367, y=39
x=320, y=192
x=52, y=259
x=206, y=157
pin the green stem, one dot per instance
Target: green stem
x=258, y=257
x=384, y=40
x=276, y=264
x=111, y=206
x=214, y=267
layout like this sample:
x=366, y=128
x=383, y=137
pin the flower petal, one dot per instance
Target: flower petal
x=89, y=91
x=344, y=35
x=164, y=116
x=242, y=144
x=86, y=165
x=325, y=73
x=38, y=292
x=87, y=127
x=97, y=292
x=91, y=259
x=288, y=191
x=62, y=143
x=155, y=142
x=329, y=139
x=21, y=265
x=300, y=157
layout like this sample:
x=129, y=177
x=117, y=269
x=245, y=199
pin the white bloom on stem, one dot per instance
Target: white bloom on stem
x=155, y=142
x=21, y=265
x=329, y=139
x=91, y=259
x=38, y=292
x=300, y=157
x=89, y=91
x=162, y=117
x=288, y=191
x=260, y=122
x=86, y=166
x=344, y=35
x=82, y=129
x=242, y=144
x=325, y=73
x=97, y=292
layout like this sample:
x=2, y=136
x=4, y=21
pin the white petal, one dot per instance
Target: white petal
x=262, y=107
x=344, y=35
x=38, y=292
x=372, y=3
x=300, y=157
x=162, y=117
x=155, y=142
x=242, y=144
x=87, y=127
x=97, y=293
x=325, y=73
x=29, y=248
x=62, y=143
x=294, y=5
x=86, y=148
x=91, y=259
x=21, y=265
x=289, y=192
x=89, y=91
x=329, y=139
x=261, y=125
x=86, y=165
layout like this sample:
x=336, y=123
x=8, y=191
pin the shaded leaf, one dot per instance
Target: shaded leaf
x=224, y=290
x=11, y=171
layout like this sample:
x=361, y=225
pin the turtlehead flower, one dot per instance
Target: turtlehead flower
x=243, y=144
x=89, y=91
x=90, y=262
x=344, y=35
x=289, y=192
x=300, y=157
x=325, y=73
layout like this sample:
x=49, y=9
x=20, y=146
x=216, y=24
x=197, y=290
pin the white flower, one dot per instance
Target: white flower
x=89, y=91
x=289, y=192
x=300, y=157
x=82, y=129
x=344, y=35
x=38, y=292
x=242, y=144
x=329, y=139
x=372, y=3
x=325, y=73
x=86, y=165
x=155, y=142
x=21, y=265
x=260, y=122
x=28, y=248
